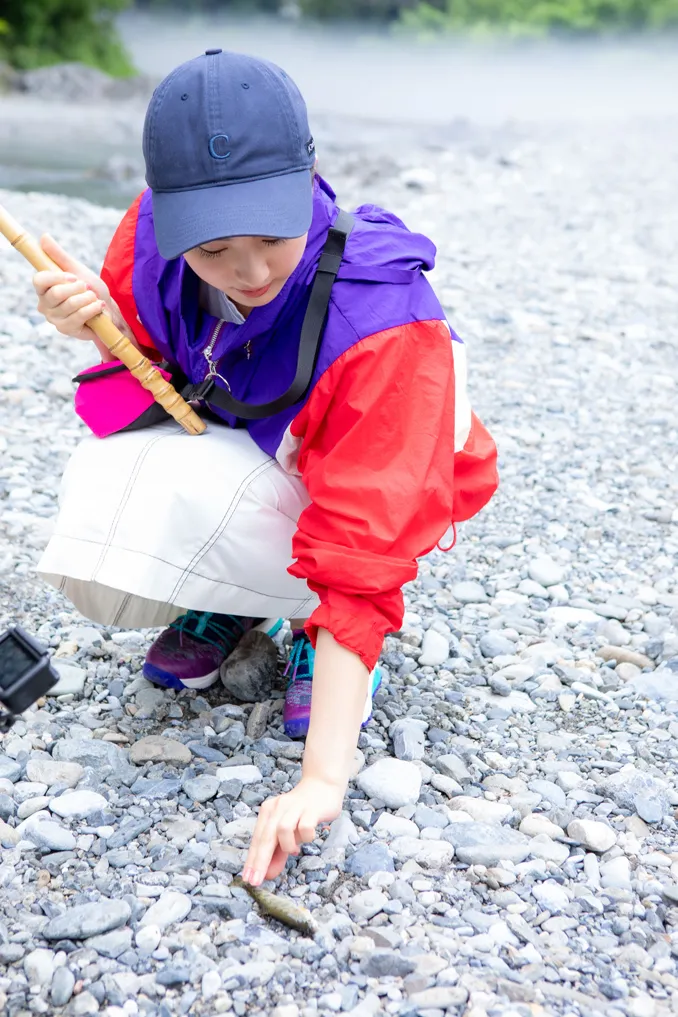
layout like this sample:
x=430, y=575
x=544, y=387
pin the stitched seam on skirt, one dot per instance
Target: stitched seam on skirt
x=198, y=575
x=125, y=498
x=225, y=519
x=121, y=609
x=301, y=607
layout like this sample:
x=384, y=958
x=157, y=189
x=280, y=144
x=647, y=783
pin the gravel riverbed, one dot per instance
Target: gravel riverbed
x=509, y=843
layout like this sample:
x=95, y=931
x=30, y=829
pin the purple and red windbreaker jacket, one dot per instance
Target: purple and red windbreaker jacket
x=385, y=441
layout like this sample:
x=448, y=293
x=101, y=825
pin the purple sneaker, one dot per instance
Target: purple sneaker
x=189, y=653
x=299, y=671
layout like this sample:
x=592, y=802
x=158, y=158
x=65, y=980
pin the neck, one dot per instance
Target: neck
x=245, y=311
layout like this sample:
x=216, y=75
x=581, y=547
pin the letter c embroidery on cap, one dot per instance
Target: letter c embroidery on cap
x=213, y=149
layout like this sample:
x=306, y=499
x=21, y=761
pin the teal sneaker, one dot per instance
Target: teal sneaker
x=299, y=672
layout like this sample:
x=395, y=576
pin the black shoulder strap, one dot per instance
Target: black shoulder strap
x=309, y=343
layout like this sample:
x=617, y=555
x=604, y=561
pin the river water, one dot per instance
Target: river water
x=367, y=92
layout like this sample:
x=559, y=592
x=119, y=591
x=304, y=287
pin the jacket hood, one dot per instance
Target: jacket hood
x=380, y=240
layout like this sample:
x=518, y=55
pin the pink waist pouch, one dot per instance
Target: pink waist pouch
x=110, y=399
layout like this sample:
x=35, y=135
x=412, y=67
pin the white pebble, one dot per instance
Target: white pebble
x=147, y=938
x=172, y=907
x=78, y=804
x=435, y=649
x=247, y=774
x=592, y=834
x=545, y=571
x=395, y=781
x=210, y=985
x=39, y=967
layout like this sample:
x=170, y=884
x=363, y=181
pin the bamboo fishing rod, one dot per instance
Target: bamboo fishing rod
x=112, y=338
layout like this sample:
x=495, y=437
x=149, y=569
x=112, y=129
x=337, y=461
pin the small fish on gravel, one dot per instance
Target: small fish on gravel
x=280, y=908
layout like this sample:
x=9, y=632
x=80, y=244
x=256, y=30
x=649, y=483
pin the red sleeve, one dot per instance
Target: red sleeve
x=376, y=455
x=117, y=273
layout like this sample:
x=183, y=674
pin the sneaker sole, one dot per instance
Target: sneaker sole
x=375, y=686
x=167, y=680
x=270, y=626
x=170, y=681
x=299, y=728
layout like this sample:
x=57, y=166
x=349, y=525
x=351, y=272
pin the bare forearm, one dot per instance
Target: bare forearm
x=339, y=690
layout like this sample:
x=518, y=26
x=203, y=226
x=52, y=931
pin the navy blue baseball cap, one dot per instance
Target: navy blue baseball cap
x=228, y=153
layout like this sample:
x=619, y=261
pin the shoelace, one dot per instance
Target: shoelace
x=203, y=620
x=300, y=645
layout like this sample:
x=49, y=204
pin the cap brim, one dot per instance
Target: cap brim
x=280, y=206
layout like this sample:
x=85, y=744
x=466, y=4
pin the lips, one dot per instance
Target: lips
x=256, y=293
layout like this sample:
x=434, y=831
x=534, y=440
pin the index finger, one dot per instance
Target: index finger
x=43, y=281
x=264, y=843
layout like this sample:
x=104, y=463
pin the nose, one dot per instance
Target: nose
x=252, y=273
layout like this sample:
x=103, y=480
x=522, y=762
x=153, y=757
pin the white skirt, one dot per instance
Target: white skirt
x=154, y=522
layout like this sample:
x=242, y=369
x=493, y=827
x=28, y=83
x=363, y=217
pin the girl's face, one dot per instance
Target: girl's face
x=251, y=271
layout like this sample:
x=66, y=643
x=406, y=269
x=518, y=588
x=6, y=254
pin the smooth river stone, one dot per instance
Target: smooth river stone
x=156, y=749
x=86, y=920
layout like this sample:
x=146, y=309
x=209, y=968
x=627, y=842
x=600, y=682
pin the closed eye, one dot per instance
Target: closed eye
x=210, y=254
x=269, y=241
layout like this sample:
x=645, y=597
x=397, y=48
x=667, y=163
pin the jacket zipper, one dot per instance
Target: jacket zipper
x=207, y=354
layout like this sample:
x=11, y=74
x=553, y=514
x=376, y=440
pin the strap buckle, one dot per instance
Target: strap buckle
x=200, y=391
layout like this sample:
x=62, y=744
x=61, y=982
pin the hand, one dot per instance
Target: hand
x=72, y=297
x=286, y=822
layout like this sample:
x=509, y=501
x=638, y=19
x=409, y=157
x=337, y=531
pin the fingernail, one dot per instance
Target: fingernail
x=246, y=873
x=257, y=878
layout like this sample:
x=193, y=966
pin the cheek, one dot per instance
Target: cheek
x=222, y=273
x=286, y=260
x=215, y=272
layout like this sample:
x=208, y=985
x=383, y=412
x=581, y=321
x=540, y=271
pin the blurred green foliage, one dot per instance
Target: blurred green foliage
x=36, y=33
x=383, y=10
x=195, y=6
x=527, y=17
